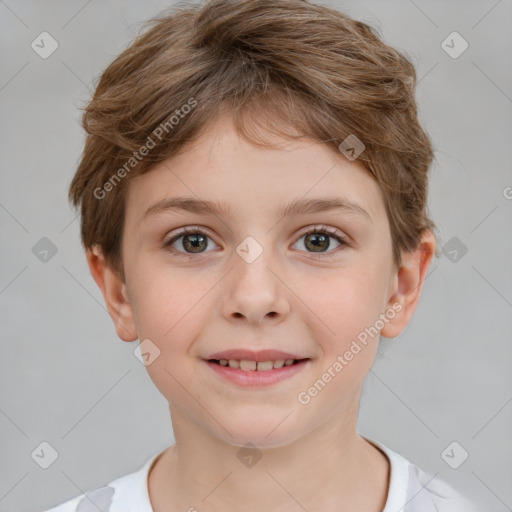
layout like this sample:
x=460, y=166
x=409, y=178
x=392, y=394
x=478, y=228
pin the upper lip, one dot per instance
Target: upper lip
x=252, y=355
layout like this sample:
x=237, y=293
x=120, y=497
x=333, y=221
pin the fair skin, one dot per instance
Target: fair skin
x=290, y=298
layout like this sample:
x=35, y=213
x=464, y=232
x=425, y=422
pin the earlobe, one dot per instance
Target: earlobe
x=408, y=283
x=114, y=294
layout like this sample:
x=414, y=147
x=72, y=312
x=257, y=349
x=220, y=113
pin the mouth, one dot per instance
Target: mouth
x=256, y=366
x=253, y=369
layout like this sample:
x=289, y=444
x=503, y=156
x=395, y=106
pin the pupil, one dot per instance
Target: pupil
x=192, y=245
x=317, y=240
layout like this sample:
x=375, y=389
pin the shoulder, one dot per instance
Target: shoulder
x=128, y=493
x=425, y=490
x=412, y=489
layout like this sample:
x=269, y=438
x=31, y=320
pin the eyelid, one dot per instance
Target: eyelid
x=187, y=230
x=321, y=227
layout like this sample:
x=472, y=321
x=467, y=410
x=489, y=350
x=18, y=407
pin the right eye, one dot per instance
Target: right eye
x=194, y=241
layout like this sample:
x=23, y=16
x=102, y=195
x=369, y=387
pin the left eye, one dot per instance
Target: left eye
x=317, y=240
x=194, y=241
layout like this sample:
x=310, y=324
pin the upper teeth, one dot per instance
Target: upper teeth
x=260, y=366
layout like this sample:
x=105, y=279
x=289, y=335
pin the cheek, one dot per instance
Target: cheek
x=168, y=304
x=340, y=306
x=170, y=316
x=165, y=310
x=346, y=307
x=342, y=315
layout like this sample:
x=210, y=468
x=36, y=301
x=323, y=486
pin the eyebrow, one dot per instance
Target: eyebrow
x=295, y=207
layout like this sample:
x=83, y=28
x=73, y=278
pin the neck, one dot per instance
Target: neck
x=330, y=469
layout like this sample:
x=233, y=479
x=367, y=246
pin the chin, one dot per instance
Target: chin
x=263, y=433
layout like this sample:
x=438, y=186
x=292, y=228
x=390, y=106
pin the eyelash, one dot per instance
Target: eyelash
x=319, y=229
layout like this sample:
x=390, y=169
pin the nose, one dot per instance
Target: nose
x=255, y=292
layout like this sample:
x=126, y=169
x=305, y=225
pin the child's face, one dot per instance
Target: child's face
x=204, y=298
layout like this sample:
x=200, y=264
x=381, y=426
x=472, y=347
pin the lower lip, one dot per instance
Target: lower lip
x=256, y=378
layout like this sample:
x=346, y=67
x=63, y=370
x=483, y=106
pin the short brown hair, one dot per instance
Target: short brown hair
x=299, y=67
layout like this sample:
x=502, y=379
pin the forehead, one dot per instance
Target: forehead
x=221, y=167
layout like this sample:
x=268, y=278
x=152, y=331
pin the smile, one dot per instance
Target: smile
x=250, y=373
x=251, y=366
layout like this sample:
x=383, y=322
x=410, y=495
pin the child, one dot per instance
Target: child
x=253, y=194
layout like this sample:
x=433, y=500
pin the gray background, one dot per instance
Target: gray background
x=68, y=380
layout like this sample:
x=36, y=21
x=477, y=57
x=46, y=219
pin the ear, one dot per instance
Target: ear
x=407, y=284
x=115, y=294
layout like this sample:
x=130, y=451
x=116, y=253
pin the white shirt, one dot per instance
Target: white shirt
x=410, y=490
